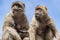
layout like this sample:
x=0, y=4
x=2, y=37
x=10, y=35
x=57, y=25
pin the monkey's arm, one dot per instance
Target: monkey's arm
x=32, y=33
x=54, y=30
x=8, y=21
x=8, y=29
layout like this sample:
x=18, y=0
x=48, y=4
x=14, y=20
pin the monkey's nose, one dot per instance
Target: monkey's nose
x=15, y=10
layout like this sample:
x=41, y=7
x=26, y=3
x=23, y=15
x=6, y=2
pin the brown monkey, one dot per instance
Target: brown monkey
x=17, y=21
x=42, y=26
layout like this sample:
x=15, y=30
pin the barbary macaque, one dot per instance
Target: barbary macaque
x=42, y=26
x=16, y=23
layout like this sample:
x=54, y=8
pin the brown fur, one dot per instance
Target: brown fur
x=42, y=26
x=17, y=21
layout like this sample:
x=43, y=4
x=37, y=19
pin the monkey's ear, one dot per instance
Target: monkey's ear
x=46, y=8
x=12, y=5
x=23, y=4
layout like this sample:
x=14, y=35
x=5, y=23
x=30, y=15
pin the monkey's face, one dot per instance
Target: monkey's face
x=18, y=8
x=40, y=12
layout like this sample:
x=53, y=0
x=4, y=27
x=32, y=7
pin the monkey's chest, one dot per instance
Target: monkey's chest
x=20, y=23
x=41, y=29
x=19, y=20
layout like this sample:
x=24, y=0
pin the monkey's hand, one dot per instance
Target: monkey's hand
x=57, y=36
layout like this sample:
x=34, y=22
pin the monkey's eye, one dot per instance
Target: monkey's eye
x=18, y=5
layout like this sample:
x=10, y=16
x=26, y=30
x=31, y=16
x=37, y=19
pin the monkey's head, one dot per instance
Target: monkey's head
x=18, y=7
x=40, y=12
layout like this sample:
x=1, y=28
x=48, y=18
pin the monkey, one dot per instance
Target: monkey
x=16, y=22
x=42, y=26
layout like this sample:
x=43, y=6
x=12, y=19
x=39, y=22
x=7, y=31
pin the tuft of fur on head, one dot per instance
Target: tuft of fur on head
x=44, y=8
x=18, y=3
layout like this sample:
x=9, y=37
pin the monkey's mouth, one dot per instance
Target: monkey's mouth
x=38, y=15
x=15, y=11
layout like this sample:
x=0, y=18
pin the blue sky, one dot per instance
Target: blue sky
x=52, y=5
